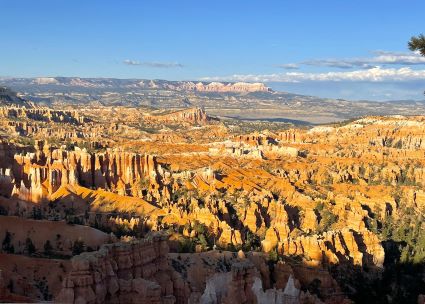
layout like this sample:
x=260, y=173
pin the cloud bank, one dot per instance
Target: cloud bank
x=376, y=74
x=380, y=58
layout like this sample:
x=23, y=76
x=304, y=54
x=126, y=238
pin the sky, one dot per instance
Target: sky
x=329, y=48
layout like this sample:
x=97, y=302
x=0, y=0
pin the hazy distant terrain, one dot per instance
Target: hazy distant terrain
x=240, y=100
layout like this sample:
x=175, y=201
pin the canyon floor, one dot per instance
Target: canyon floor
x=113, y=203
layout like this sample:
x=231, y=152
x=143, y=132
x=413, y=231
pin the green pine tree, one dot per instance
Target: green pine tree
x=417, y=43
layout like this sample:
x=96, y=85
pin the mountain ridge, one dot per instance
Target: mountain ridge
x=157, y=84
x=224, y=99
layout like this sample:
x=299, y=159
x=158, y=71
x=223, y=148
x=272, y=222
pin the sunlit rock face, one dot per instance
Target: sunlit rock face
x=231, y=87
x=40, y=174
x=130, y=273
x=191, y=116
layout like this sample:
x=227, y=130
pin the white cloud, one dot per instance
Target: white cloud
x=376, y=74
x=131, y=62
x=154, y=64
x=339, y=63
x=385, y=57
x=380, y=58
x=289, y=66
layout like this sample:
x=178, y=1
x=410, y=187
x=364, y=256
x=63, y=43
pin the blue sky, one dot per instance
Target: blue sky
x=345, y=49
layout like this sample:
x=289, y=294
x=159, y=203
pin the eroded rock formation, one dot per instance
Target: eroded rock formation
x=37, y=176
x=313, y=201
x=192, y=116
x=135, y=272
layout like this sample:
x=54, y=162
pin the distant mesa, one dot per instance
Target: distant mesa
x=233, y=87
x=218, y=87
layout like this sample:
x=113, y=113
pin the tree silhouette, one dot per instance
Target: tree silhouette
x=29, y=246
x=417, y=43
x=48, y=248
x=7, y=243
x=78, y=247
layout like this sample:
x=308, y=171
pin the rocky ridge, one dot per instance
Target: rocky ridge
x=100, y=83
x=191, y=116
